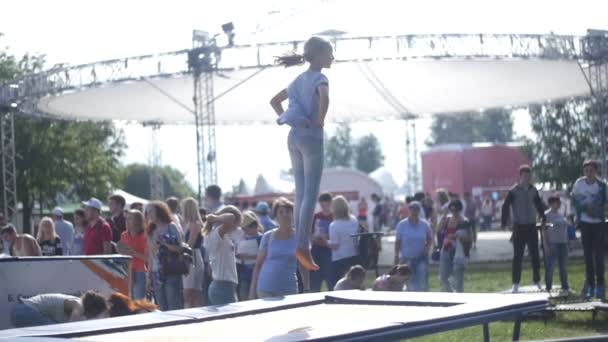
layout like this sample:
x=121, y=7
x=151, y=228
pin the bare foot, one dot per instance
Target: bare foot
x=305, y=258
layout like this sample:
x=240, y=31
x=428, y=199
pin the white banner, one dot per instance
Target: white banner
x=30, y=276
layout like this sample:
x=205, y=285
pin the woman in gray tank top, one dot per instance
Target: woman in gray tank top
x=53, y=308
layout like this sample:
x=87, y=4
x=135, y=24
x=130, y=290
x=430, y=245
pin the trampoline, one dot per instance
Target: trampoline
x=339, y=316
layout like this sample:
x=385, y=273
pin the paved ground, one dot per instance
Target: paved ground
x=493, y=246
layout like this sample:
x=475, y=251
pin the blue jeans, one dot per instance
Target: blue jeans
x=169, y=293
x=322, y=257
x=449, y=268
x=419, y=266
x=24, y=316
x=559, y=253
x=306, y=153
x=222, y=292
x=138, y=285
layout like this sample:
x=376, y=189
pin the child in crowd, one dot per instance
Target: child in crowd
x=354, y=279
x=394, y=280
x=308, y=98
x=556, y=244
x=247, y=252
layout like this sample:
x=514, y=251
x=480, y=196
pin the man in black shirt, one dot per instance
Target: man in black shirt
x=524, y=201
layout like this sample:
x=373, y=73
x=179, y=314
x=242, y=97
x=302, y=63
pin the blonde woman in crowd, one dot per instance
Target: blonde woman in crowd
x=343, y=245
x=47, y=237
x=192, y=224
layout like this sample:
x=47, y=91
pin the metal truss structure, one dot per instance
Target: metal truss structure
x=203, y=61
x=205, y=58
x=7, y=160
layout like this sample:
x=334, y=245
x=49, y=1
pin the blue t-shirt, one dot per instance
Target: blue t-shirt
x=278, y=273
x=302, y=113
x=267, y=223
x=413, y=237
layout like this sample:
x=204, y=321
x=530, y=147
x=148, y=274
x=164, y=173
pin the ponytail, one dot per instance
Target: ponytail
x=290, y=60
x=313, y=47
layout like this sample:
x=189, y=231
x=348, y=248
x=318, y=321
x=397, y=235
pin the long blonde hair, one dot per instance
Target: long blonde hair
x=138, y=218
x=340, y=208
x=229, y=209
x=46, y=221
x=190, y=211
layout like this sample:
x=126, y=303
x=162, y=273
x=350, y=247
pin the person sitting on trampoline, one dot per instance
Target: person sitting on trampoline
x=308, y=98
x=394, y=280
x=354, y=279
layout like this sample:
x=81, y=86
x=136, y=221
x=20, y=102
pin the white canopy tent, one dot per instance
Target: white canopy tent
x=421, y=86
x=130, y=198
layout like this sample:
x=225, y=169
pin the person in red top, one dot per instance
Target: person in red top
x=362, y=215
x=133, y=242
x=321, y=252
x=98, y=236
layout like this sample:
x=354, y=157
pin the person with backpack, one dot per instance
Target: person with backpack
x=455, y=248
x=274, y=274
x=98, y=236
x=247, y=252
x=164, y=250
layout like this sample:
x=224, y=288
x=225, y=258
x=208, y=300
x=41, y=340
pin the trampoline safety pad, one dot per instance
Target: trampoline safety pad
x=336, y=316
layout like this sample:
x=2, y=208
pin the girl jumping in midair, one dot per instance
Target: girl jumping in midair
x=308, y=98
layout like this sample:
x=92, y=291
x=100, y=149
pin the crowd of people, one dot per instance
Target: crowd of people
x=184, y=255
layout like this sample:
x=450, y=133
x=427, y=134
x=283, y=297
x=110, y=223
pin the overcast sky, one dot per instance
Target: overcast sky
x=76, y=31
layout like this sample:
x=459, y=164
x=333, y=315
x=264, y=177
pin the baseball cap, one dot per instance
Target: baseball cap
x=93, y=203
x=58, y=212
x=249, y=218
x=262, y=208
x=415, y=204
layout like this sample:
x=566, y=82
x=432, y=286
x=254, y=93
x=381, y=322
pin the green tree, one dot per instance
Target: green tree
x=77, y=159
x=339, y=148
x=565, y=137
x=136, y=180
x=368, y=154
x=494, y=126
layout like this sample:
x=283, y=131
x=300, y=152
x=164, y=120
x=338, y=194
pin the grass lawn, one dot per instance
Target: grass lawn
x=496, y=278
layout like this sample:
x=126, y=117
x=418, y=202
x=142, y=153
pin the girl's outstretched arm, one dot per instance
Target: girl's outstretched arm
x=323, y=103
x=277, y=101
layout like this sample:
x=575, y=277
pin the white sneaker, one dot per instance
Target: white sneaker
x=515, y=288
x=539, y=286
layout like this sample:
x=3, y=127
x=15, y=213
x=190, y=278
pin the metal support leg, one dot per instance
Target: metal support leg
x=517, y=328
x=486, y=332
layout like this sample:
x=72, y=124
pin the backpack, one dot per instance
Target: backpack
x=177, y=263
